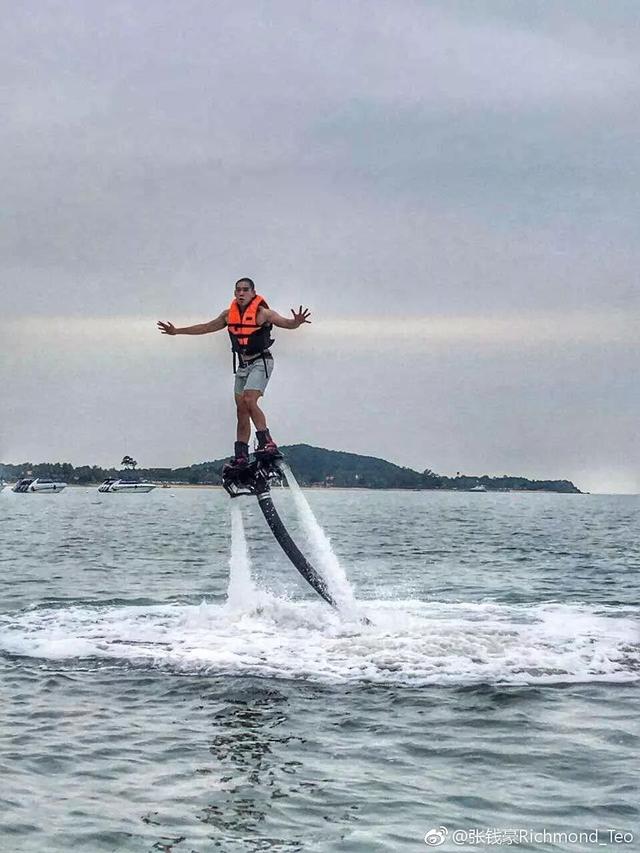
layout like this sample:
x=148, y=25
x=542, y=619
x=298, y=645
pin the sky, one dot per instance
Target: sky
x=452, y=188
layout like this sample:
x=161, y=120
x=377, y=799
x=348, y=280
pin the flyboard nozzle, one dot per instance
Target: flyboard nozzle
x=254, y=478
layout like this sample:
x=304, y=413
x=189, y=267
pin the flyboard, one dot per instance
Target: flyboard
x=256, y=479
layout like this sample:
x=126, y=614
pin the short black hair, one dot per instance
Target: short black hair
x=246, y=281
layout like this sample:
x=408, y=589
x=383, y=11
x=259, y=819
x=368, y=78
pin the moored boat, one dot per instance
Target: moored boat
x=112, y=484
x=38, y=484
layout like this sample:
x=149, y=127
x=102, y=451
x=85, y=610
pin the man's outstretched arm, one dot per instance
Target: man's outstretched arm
x=199, y=329
x=267, y=315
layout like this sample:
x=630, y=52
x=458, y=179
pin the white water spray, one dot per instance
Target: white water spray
x=241, y=591
x=327, y=562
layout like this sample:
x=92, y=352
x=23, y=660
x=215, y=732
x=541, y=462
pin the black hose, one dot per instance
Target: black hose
x=291, y=549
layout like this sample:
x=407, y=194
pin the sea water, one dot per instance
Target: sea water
x=169, y=682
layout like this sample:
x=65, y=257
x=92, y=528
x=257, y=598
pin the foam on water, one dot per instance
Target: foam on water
x=410, y=643
x=324, y=557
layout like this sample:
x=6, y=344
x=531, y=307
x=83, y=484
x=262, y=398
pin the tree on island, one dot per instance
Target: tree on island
x=128, y=462
x=431, y=480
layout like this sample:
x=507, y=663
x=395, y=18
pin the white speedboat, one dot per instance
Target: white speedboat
x=478, y=488
x=38, y=484
x=123, y=485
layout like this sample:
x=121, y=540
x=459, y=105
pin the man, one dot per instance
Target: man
x=249, y=321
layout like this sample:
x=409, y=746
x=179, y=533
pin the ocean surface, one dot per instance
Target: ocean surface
x=169, y=682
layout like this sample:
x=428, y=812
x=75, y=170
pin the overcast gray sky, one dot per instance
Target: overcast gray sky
x=451, y=187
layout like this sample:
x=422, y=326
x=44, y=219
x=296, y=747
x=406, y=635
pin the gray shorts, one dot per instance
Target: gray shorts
x=253, y=376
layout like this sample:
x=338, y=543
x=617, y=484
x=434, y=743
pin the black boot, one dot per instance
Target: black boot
x=262, y=437
x=267, y=448
x=240, y=457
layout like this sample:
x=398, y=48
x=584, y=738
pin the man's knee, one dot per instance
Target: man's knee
x=250, y=400
x=242, y=407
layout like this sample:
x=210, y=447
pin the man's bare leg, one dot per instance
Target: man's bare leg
x=250, y=399
x=265, y=442
x=243, y=432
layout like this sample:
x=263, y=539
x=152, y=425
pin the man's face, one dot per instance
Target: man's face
x=244, y=293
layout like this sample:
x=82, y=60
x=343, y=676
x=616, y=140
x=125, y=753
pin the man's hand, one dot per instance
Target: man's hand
x=300, y=316
x=166, y=328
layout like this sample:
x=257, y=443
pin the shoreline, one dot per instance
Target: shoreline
x=218, y=486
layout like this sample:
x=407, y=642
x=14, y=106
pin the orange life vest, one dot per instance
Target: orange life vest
x=247, y=337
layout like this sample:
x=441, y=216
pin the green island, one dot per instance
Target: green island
x=312, y=466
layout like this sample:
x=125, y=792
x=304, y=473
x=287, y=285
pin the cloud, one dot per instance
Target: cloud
x=427, y=334
x=155, y=149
